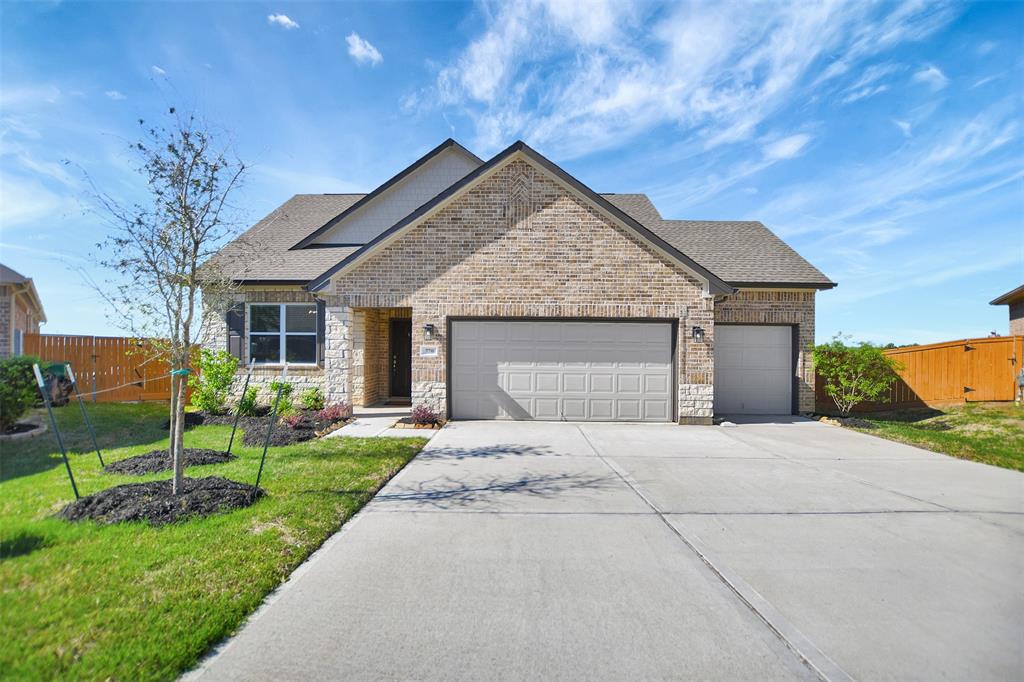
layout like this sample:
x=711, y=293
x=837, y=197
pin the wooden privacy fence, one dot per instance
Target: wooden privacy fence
x=109, y=369
x=969, y=370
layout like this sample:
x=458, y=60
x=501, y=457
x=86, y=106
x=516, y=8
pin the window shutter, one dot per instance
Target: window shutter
x=236, y=330
x=321, y=331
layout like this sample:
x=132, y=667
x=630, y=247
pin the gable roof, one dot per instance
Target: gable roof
x=11, y=277
x=739, y=253
x=367, y=198
x=272, y=237
x=744, y=253
x=1010, y=297
x=715, y=284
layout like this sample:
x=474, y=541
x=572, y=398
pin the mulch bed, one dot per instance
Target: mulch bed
x=408, y=423
x=20, y=427
x=307, y=428
x=853, y=422
x=160, y=460
x=154, y=502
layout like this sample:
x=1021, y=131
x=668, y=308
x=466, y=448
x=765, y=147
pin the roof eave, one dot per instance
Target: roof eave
x=821, y=286
x=1009, y=297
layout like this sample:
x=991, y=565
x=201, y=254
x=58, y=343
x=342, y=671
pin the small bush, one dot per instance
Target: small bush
x=424, y=414
x=211, y=386
x=335, y=412
x=247, y=403
x=18, y=389
x=312, y=399
x=284, y=404
x=854, y=374
x=292, y=420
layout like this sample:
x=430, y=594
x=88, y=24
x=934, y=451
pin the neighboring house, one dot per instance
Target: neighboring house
x=1014, y=299
x=21, y=311
x=508, y=289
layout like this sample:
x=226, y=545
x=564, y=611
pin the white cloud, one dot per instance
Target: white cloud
x=868, y=84
x=282, y=20
x=931, y=76
x=115, y=95
x=29, y=202
x=157, y=71
x=985, y=47
x=985, y=81
x=361, y=50
x=575, y=79
x=786, y=148
x=904, y=126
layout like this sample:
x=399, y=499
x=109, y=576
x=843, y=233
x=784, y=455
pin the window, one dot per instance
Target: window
x=281, y=333
x=17, y=341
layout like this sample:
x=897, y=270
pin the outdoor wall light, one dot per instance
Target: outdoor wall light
x=698, y=335
x=428, y=332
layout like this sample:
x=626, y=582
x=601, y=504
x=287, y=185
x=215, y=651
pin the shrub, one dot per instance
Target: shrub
x=423, y=414
x=211, y=386
x=335, y=412
x=312, y=399
x=247, y=403
x=853, y=374
x=284, y=404
x=18, y=389
x=292, y=420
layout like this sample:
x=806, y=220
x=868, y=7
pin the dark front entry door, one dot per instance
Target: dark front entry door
x=400, y=356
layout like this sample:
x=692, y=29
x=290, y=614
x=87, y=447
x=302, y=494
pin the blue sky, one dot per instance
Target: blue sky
x=883, y=141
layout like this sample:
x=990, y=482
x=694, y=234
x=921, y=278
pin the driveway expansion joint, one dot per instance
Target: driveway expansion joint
x=819, y=662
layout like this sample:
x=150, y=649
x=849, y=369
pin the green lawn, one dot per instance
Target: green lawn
x=84, y=601
x=992, y=433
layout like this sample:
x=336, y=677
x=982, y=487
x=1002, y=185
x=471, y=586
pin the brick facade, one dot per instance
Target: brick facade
x=520, y=244
x=785, y=306
x=215, y=337
x=1017, y=318
x=15, y=313
x=370, y=352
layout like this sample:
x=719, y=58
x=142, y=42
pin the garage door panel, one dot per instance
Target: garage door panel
x=562, y=370
x=574, y=382
x=753, y=369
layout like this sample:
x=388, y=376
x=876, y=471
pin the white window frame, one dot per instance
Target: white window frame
x=282, y=333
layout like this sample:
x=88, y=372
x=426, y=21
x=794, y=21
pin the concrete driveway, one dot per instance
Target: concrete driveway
x=637, y=552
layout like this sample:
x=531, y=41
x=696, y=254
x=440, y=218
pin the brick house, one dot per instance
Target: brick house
x=21, y=311
x=1015, y=300
x=508, y=289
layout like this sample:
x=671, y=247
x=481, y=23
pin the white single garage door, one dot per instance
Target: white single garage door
x=753, y=369
x=576, y=371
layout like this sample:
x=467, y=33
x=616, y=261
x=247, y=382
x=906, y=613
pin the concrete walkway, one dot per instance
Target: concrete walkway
x=379, y=421
x=635, y=552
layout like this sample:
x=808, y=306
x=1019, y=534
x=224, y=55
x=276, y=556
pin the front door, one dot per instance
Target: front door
x=400, y=355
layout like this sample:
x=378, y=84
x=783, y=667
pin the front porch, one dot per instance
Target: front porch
x=381, y=369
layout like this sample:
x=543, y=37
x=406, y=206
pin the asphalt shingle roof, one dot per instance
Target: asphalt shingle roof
x=271, y=238
x=739, y=252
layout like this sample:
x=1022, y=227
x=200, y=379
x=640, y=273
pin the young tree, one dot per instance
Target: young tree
x=159, y=247
x=853, y=374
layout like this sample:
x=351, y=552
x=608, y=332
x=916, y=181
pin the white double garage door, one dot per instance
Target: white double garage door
x=605, y=371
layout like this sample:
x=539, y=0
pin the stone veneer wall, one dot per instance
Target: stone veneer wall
x=215, y=337
x=783, y=306
x=520, y=244
x=6, y=314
